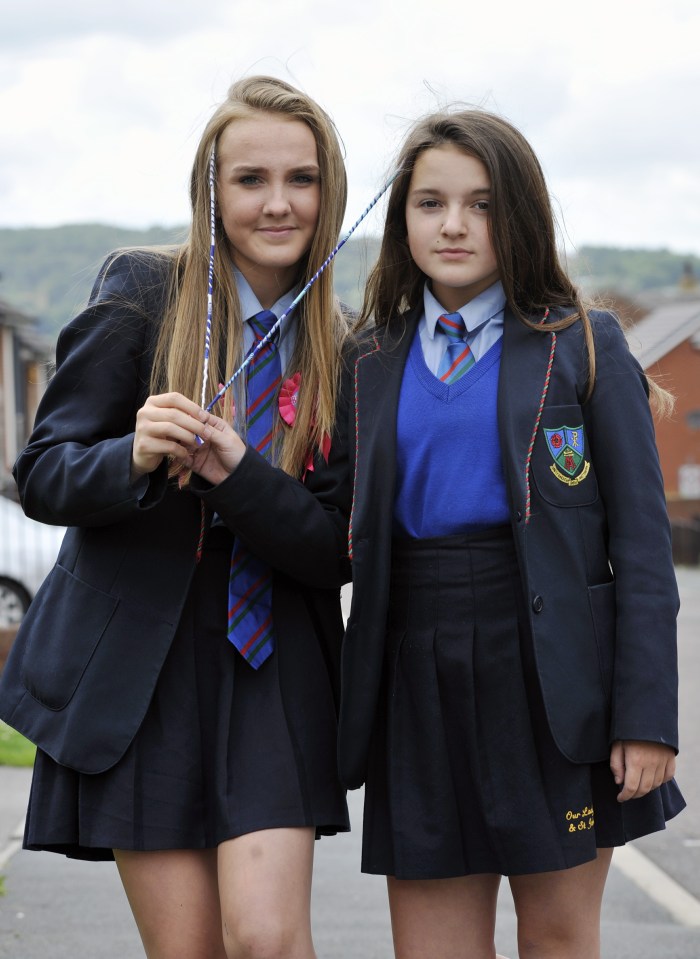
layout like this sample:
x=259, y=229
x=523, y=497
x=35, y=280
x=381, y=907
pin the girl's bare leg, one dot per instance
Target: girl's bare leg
x=444, y=918
x=174, y=897
x=559, y=912
x=265, y=889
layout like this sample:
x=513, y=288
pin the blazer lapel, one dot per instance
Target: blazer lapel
x=522, y=386
x=378, y=376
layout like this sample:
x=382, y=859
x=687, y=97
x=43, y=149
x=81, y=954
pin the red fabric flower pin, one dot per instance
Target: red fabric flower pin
x=288, y=399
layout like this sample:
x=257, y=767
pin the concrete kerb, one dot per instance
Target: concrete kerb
x=14, y=793
x=14, y=784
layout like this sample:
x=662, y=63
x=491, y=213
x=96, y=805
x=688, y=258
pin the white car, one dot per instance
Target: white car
x=28, y=551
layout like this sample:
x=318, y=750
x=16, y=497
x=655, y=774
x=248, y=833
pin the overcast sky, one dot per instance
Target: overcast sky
x=102, y=104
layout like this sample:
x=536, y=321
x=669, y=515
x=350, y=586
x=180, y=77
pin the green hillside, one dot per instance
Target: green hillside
x=48, y=273
x=631, y=273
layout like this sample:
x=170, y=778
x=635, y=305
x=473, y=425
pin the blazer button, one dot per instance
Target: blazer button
x=538, y=604
x=518, y=516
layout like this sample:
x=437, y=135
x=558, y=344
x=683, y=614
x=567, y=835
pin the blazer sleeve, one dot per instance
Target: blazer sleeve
x=75, y=470
x=299, y=528
x=623, y=447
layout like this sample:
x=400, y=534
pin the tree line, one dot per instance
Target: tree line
x=47, y=273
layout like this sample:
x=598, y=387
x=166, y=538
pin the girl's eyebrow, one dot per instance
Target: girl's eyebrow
x=246, y=168
x=478, y=191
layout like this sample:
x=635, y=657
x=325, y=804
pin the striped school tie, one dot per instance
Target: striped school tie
x=458, y=357
x=250, y=581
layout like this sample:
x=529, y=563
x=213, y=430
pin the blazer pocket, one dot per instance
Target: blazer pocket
x=561, y=463
x=604, y=614
x=64, y=625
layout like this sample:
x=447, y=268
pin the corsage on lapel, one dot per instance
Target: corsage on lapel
x=289, y=397
x=288, y=400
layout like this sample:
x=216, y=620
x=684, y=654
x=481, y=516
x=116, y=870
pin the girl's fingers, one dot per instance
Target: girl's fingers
x=163, y=440
x=670, y=768
x=646, y=767
x=630, y=785
x=216, y=423
x=617, y=762
x=224, y=439
x=175, y=401
x=171, y=408
x=167, y=424
x=647, y=780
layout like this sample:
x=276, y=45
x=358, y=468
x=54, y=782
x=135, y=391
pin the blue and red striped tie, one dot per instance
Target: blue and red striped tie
x=250, y=581
x=458, y=357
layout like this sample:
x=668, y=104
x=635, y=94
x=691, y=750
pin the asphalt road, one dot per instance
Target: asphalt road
x=57, y=908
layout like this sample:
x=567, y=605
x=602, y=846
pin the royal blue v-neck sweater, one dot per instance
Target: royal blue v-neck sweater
x=449, y=470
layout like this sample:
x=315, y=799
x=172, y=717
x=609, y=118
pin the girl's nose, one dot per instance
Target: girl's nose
x=277, y=202
x=453, y=223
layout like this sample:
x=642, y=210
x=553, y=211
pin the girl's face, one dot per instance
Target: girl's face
x=447, y=221
x=269, y=197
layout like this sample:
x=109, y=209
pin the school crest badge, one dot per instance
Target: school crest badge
x=567, y=447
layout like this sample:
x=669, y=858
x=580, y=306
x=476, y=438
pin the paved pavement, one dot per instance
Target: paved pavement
x=58, y=908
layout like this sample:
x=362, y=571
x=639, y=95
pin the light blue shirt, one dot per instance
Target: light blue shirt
x=250, y=305
x=483, y=317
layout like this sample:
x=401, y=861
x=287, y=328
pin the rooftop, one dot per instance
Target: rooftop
x=664, y=328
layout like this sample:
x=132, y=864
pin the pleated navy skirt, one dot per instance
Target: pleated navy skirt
x=464, y=775
x=220, y=752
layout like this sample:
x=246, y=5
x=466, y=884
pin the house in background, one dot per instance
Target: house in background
x=667, y=344
x=25, y=355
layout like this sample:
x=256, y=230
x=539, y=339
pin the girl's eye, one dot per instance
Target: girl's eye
x=482, y=206
x=304, y=179
x=249, y=179
x=429, y=204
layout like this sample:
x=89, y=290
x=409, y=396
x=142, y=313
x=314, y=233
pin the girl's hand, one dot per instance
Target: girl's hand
x=221, y=451
x=166, y=425
x=640, y=767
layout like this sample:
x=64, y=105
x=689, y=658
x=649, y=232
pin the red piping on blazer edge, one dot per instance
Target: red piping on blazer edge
x=376, y=349
x=543, y=397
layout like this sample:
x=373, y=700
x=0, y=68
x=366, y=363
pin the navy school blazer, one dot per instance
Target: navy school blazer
x=87, y=656
x=589, y=519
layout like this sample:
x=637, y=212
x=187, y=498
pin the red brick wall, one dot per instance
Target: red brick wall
x=7, y=637
x=679, y=371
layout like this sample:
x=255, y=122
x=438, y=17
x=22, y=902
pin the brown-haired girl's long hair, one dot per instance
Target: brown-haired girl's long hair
x=321, y=327
x=521, y=224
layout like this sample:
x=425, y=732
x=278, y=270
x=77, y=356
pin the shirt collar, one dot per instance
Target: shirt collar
x=478, y=311
x=250, y=305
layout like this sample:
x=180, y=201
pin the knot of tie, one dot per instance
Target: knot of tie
x=262, y=323
x=452, y=325
x=458, y=357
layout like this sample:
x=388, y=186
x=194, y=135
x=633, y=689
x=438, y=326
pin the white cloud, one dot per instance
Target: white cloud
x=39, y=22
x=102, y=106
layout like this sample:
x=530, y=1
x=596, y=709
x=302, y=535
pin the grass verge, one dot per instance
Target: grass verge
x=15, y=750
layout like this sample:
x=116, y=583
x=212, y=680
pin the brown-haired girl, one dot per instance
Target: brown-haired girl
x=509, y=666
x=206, y=776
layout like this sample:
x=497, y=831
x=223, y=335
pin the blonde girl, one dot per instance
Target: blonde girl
x=205, y=777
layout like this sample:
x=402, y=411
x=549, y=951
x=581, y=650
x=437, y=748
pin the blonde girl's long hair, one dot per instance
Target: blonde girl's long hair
x=321, y=326
x=521, y=224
